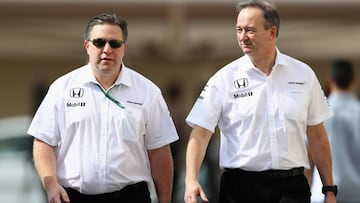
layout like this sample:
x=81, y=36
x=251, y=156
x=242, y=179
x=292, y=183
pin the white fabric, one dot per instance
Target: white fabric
x=262, y=119
x=97, y=150
x=316, y=194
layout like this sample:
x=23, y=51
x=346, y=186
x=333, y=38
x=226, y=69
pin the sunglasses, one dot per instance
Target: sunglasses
x=99, y=43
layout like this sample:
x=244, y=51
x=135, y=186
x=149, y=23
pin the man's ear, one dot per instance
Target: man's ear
x=273, y=31
x=86, y=44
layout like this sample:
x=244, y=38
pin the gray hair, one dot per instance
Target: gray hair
x=105, y=18
x=269, y=9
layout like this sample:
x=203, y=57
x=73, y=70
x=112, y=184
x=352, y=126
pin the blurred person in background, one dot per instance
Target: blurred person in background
x=264, y=104
x=209, y=172
x=102, y=132
x=344, y=134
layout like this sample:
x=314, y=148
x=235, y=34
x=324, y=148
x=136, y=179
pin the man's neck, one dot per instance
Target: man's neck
x=106, y=81
x=335, y=89
x=264, y=63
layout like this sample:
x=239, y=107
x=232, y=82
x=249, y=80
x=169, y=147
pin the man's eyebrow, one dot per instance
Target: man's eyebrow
x=245, y=27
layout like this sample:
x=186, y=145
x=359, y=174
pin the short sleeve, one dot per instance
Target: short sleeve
x=319, y=108
x=207, y=109
x=160, y=128
x=44, y=125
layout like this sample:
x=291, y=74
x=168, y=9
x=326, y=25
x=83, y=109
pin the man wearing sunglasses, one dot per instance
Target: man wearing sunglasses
x=102, y=132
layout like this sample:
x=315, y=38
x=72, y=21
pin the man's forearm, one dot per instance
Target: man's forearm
x=161, y=164
x=195, y=152
x=321, y=154
x=45, y=163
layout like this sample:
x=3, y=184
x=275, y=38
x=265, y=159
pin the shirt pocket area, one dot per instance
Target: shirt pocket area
x=295, y=104
x=131, y=124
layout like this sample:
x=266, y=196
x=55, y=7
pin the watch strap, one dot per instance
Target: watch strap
x=329, y=188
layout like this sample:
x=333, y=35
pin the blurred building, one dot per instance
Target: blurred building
x=169, y=40
x=178, y=44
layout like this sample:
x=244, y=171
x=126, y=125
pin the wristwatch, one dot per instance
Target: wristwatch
x=329, y=188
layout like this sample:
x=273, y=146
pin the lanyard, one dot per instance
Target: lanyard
x=110, y=97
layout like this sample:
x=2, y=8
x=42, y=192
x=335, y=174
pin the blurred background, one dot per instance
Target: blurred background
x=178, y=44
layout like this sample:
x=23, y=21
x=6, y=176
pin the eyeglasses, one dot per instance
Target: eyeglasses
x=99, y=43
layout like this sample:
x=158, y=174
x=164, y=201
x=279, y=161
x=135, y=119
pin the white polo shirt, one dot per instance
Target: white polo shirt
x=262, y=119
x=98, y=149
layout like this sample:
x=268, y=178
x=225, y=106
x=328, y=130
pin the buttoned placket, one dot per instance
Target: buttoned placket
x=271, y=111
x=105, y=105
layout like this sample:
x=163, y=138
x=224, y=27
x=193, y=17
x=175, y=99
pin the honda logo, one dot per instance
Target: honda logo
x=76, y=92
x=241, y=83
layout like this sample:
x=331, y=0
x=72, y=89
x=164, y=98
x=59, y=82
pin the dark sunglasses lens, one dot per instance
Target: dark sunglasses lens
x=115, y=43
x=99, y=42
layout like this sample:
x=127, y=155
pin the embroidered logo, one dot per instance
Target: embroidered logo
x=75, y=104
x=76, y=92
x=296, y=83
x=245, y=94
x=202, y=93
x=241, y=83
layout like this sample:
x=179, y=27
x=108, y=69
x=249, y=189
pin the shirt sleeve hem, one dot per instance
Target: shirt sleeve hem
x=320, y=119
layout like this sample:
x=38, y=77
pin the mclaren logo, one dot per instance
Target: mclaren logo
x=76, y=92
x=296, y=83
x=241, y=83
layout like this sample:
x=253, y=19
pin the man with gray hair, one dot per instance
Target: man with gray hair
x=264, y=104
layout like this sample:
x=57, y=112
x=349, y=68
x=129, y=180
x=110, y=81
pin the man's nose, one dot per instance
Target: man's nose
x=107, y=48
x=242, y=35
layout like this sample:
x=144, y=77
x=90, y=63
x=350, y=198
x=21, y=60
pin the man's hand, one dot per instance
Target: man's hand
x=57, y=194
x=330, y=197
x=192, y=191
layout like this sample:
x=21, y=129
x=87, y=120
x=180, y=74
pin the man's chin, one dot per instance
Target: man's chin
x=246, y=51
x=106, y=63
x=105, y=67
